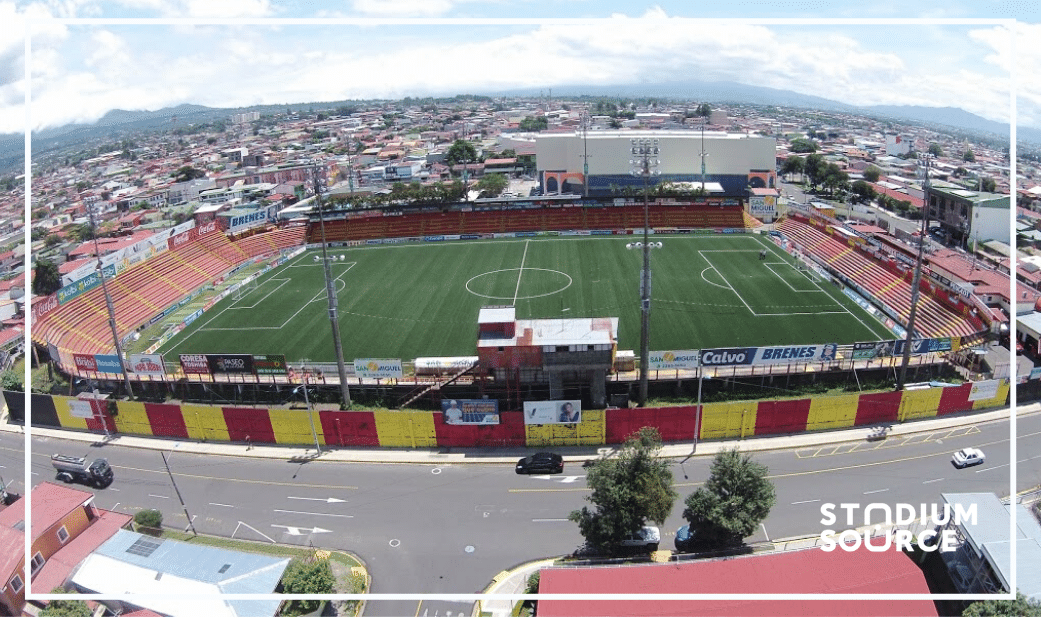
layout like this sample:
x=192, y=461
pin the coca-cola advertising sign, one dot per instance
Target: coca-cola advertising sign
x=85, y=362
x=147, y=364
x=44, y=306
x=194, y=363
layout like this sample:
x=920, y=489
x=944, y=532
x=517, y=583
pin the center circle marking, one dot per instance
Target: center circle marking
x=506, y=270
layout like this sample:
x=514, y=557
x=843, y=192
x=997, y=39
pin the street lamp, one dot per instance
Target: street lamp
x=901, y=379
x=644, y=163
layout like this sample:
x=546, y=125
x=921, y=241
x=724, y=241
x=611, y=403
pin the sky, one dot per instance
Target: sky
x=87, y=59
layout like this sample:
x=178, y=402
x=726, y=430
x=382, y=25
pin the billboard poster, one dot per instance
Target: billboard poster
x=673, y=359
x=987, y=389
x=378, y=368
x=773, y=355
x=230, y=363
x=147, y=364
x=194, y=363
x=80, y=408
x=866, y=350
x=552, y=412
x=108, y=363
x=923, y=346
x=470, y=411
x=84, y=362
x=269, y=364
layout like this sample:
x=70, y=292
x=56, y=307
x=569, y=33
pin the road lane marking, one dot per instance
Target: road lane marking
x=806, y=501
x=307, y=513
x=327, y=500
x=219, y=504
x=931, y=481
x=990, y=468
x=155, y=496
x=875, y=491
x=553, y=519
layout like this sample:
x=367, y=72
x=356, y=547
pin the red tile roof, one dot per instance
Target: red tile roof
x=61, y=564
x=52, y=502
x=810, y=571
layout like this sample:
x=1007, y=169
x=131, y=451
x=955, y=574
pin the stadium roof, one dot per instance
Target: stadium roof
x=809, y=571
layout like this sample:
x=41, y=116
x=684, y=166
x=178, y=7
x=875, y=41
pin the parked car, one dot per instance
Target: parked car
x=684, y=539
x=968, y=457
x=646, y=538
x=541, y=463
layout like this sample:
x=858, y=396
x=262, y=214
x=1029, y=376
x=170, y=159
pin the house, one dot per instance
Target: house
x=180, y=579
x=65, y=526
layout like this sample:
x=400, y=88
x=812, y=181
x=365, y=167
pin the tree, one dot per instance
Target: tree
x=969, y=156
x=534, y=123
x=461, y=151
x=188, y=172
x=935, y=150
x=800, y=144
x=793, y=165
x=988, y=184
x=82, y=232
x=312, y=577
x=872, y=173
x=736, y=497
x=628, y=490
x=47, y=279
x=65, y=607
x=1021, y=606
x=492, y=185
x=862, y=191
x=815, y=167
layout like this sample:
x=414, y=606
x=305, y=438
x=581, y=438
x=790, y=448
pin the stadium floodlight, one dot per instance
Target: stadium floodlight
x=111, y=311
x=922, y=234
x=345, y=393
x=644, y=164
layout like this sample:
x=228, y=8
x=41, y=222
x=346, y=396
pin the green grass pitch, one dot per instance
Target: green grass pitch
x=406, y=301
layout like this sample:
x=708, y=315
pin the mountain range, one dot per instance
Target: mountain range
x=117, y=124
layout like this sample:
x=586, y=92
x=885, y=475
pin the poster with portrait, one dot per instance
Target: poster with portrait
x=552, y=412
x=470, y=411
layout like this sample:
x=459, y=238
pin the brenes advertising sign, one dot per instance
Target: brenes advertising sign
x=470, y=411
x=378, y=368
x=552, y=412
x=194, y=363
x=230, y=363
x=774, y=355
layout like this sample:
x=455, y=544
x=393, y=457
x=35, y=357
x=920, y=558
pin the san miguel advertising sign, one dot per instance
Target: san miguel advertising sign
x=230, y=363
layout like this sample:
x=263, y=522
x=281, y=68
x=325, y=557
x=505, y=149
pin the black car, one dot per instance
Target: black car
x=545, y=463
x=684, y=539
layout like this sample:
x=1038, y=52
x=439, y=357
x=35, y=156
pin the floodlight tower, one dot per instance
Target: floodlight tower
x=902, y=378
x=111, y=309
x=345, y=393
x=644, y=163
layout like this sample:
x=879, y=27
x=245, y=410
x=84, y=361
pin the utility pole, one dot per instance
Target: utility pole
x=191, y=523
x=334, y=321
x=902, y=378
x=585, y=154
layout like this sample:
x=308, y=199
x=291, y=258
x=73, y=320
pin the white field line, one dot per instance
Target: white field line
x=520, y=274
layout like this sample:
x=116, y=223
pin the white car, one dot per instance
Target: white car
x=647, y=538
x=968, y=457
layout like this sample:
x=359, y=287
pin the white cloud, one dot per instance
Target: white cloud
x=403, y=8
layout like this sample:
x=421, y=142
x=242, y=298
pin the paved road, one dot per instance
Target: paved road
x=447, y=529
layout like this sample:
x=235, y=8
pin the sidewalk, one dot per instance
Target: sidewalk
x=509, y=455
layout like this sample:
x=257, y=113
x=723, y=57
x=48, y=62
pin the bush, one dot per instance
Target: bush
x=150, y=519
x=65, y=607
x=315, y=577
x=533, y=583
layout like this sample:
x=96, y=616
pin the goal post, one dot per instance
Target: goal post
x=245, y=288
